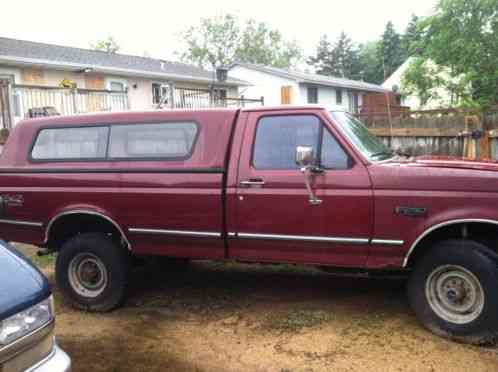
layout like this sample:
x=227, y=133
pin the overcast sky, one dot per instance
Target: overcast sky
x=153, y=26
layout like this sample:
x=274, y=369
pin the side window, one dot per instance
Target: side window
x=70, y=143
x=278, y=136
x=333, y=155
x=144, y=141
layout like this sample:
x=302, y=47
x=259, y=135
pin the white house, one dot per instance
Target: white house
x=440, y=97
x=282, y=86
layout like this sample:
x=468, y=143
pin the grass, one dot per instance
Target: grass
x=44, y=261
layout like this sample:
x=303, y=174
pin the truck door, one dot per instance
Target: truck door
x=275, y=218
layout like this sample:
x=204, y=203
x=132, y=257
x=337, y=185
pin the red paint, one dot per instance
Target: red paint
x=357, y=203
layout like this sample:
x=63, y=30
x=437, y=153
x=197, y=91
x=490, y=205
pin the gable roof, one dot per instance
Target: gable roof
x=21, y=52
x=307, y=78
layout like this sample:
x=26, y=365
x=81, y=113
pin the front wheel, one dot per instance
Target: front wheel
x=92, y=272
x=453, y=290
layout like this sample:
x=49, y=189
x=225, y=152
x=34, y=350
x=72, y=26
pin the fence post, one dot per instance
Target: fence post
x=171, y=94
x=6, y=116
x=74, y=93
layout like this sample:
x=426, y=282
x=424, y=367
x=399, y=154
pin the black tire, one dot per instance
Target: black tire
x=479, y=323
x=113, y=258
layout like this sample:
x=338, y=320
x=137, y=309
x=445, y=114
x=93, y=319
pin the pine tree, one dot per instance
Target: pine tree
x=340, y=60
x=411, y=38
x=322, y=60
x=390, y=52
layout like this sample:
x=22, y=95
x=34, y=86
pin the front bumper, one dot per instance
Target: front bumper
x=57, y=361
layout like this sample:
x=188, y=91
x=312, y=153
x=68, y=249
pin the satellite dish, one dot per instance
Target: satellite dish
x=395, y=88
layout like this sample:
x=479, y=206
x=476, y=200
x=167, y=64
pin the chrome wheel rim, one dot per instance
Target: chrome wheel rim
x=87, y=275
x=455, y=294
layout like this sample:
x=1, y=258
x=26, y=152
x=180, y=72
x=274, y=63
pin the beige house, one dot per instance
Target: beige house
x=72, y=80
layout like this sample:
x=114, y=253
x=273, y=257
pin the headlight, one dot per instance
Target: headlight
x=26, y=321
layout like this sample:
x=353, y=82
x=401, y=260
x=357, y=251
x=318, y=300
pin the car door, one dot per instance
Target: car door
x=276, y=221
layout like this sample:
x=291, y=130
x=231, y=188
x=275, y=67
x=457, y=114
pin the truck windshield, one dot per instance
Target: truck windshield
x=369, y=145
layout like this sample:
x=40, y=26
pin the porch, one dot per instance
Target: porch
x=18, y=102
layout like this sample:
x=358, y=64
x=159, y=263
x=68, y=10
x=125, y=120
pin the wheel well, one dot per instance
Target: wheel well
x=67, y=226
x=483, y=232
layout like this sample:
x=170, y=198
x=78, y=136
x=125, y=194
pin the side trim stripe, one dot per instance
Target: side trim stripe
x=387, y=242
x=109, y=170
x=316, y=238
x=302, y=238
x=22, y=223
x=196, y=234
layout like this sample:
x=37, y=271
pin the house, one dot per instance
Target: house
x=282, y=86
x=439, y=97
x=42, y=77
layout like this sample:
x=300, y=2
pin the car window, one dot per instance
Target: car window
x=70, y=143
x=333, y=155
x=160, y=140
x=278, y=136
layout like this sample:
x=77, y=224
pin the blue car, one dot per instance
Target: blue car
x=27, y=318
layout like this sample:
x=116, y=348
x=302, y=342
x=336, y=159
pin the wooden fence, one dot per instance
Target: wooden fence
x=439, y=132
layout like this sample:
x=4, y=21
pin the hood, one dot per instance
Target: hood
x=454, y=162
x=21, y=284
x=436, y=173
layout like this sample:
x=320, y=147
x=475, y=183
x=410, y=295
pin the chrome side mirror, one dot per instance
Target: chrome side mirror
x=306, y=160
x=304, y=156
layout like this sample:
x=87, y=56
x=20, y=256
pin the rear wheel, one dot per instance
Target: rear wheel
x=92, y=272
x=453, y=290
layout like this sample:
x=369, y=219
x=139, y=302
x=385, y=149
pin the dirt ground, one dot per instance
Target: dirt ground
x=235, y=317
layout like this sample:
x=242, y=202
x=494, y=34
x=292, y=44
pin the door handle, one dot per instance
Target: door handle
x=252, y=182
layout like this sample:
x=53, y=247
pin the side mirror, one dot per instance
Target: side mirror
x=304, y=156
x=306, y=160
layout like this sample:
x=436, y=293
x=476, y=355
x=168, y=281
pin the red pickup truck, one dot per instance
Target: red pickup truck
x=284, y=184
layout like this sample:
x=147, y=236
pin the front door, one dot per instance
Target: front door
x=275, y=219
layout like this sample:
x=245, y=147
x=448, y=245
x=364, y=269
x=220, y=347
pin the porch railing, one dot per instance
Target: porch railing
x=31, y=100
x=195, y=98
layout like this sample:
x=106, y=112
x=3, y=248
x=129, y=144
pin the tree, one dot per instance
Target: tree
x=390, y=52
x=261, y=45
x=322, y=60
x=108, y=45
x=371, y=65
x=460, y=39
x=342, y=59
x=222, y=40
x=411, y=39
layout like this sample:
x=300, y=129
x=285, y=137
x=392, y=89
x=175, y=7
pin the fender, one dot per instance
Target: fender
x=87, y=212
x=440, y=225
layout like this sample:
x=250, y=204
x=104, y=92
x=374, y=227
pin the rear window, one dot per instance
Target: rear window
x=70, y=143
x=148, y=141
x=165, y=141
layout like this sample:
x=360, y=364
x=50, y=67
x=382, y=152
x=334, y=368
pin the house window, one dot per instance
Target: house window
x=117, y=86
x=338, y=96
x=158, y=92
x=150, y=141
x=312, y=95
x=70, y=143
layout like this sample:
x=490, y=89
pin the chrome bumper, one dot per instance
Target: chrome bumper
x=57, y=361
